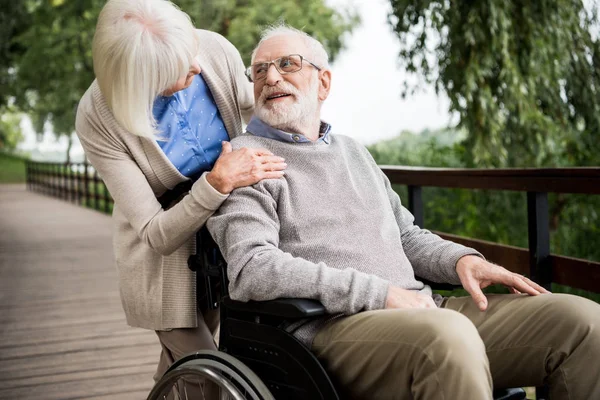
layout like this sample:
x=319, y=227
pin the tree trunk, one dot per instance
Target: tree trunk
x=69, y=145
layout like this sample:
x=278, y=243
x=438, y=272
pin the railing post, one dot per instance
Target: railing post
x=538, y=226
x=65, y=181
x=106, y=198
x=96, y=191
x=27, y=175
x=70, y=182
x=540, y=268
x=86, y=188
x=415, y=204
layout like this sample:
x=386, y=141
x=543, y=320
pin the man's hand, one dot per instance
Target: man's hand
x=475, y=273
x=402, y=298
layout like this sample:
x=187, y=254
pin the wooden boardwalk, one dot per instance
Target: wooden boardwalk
x=62, y=330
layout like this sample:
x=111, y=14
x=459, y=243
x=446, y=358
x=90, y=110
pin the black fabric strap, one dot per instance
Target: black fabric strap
x=171, y=195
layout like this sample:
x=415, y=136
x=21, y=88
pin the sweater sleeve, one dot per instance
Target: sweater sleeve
x=246, y=228
x=163, y=231
x=431, y=257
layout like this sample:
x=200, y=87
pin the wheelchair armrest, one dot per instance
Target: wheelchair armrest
x=439, y=286
x=284, y=308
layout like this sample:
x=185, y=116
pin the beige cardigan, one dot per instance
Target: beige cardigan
x=152, y=245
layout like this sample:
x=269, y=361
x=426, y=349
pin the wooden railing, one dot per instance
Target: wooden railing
x=536, y=261
x=79, y=183
x=75, y=182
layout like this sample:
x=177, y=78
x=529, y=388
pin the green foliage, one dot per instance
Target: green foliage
x=45, y=46
x=242, y=21
x=523, y=76
x=10, y=130
x=12, y=168
x=497, y=216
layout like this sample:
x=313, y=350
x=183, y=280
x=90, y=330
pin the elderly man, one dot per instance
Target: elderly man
x=332, y=229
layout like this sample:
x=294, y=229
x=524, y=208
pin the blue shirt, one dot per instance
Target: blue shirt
x=191, y=128
x=259, y=128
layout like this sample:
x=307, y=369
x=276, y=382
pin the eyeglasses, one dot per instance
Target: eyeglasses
x=285, y=65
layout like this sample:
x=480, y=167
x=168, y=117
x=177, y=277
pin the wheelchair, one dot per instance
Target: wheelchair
x=257, y=358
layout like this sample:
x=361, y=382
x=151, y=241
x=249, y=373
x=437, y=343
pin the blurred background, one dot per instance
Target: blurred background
x=474, y=84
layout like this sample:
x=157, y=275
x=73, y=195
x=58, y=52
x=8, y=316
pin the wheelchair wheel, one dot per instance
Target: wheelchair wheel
x=209, y=375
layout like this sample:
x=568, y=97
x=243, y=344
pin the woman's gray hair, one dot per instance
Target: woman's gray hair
x=318, y=54
x=140, y=49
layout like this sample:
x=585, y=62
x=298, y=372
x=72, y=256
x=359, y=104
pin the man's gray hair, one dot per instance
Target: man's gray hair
x=318, y=54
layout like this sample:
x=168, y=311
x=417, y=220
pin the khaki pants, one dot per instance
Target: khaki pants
x=459, y=352
x=177, y=343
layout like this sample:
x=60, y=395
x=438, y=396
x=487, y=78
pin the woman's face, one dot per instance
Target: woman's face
x=184, y=81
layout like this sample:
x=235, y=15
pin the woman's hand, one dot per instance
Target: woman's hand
x=244, y=167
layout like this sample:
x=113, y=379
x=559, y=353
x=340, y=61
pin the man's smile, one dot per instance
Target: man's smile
x=277, y=95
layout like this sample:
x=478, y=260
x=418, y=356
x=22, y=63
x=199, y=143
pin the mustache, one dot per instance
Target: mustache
x=280, y=87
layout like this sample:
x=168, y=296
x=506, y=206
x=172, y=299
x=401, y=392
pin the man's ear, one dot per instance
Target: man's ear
x=324, y=84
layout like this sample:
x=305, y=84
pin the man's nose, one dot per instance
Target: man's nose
x=273, y=75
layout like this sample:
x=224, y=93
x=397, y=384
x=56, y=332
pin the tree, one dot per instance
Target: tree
x=46, y=45
x=523, y=76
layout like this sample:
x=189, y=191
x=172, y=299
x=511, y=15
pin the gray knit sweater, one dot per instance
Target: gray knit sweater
x=332, y=230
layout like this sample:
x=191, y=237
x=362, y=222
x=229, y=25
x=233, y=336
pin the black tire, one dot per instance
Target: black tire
x=233, y=379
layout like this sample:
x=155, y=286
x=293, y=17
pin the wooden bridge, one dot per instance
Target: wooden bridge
x=62, y=330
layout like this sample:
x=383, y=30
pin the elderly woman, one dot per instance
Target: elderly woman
x=165, y=102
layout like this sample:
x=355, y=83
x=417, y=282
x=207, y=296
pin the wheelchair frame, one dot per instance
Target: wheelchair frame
x=253, y=333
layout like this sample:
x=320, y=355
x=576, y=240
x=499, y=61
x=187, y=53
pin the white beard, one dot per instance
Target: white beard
x=289, y=117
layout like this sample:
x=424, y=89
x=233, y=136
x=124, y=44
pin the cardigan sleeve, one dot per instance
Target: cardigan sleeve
x=243, y=87
x=162, y=230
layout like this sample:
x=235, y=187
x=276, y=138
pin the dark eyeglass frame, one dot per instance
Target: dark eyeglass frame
x=248, y=71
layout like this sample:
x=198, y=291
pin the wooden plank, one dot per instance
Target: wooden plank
x=513, y=258
x=103, y=342
x=55, y=336
x=574, y=272
x=91, y=320
x=62, y=328
x=117, y=383
x=148, y=367
x=88, y=358
x=554, y=180
x=142, y=395
x=569, y=271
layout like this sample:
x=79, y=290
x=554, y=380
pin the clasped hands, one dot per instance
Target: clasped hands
x=475, y=274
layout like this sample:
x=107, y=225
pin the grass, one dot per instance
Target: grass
x=12, y=168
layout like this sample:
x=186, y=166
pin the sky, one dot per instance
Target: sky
x=364, y=102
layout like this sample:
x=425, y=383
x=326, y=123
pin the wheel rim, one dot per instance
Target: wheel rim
x=229, y=380
x=189, y=382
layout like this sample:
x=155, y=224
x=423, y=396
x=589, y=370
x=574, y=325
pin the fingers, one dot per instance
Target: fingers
x=262, y=152
x=271, y=160
x=518, y=282
x=472, y=286
x=535, y=285
x=226, y=147
x=513, y=290
x=273, y=174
